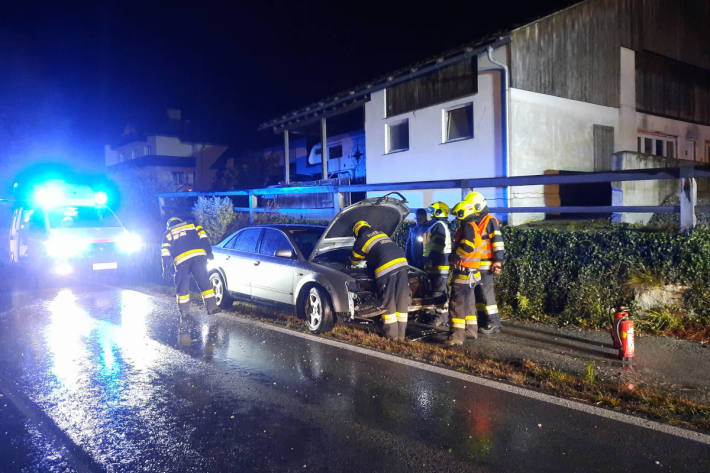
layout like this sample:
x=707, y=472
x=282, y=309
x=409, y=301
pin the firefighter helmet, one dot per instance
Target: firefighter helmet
x=438, y=210
x=172, y=221
x=463, y=210
x=358, y=225
x=477, y=200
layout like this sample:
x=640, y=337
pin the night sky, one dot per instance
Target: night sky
x=72, y=77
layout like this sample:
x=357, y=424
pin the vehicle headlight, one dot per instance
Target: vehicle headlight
x=129, y=243
x=65, y=246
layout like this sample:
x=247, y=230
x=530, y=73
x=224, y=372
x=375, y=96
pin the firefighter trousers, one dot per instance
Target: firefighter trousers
x=462, y=309
x=197, y=267
x=394, y=292
x=486, y=307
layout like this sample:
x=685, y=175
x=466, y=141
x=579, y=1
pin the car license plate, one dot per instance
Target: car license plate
x=101, y=266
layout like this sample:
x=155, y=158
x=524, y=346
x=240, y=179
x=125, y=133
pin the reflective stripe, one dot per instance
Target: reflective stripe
x=202, y=234
x=358, y=255
x=402, y=316
x=492, y=309
x=468, y=243
x=390, y=266
x=208, y=296
x=389, y=318
x=182, y=228
x=485, y=264
x=189, y=254
x=458, y=323
x=499, y=245
x=497, y=233
x=208, y=291
x=166, y=245
x=358, y=226
x=183, y=299
x=471, y=320
x=372, y=241
x=164, y=252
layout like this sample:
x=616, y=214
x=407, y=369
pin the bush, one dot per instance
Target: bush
x=215, y=214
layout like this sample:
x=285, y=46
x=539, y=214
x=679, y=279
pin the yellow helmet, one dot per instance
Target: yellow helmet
x=438, y=209
x=477, y=200
x=463, y=209
x=358, y=225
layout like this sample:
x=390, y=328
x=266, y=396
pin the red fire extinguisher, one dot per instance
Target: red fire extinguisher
x=622, y=334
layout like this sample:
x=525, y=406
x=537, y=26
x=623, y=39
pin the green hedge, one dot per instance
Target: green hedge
x=577, y=276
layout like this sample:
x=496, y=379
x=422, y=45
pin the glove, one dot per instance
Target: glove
x=496, y=267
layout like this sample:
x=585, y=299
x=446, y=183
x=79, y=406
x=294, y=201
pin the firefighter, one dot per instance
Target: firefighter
x=389, y=265
x=186, y=246
x=437, y=247
x=465, y=262
x=492, y=252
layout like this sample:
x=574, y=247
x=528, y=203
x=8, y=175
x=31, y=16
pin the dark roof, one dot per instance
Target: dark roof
x=154, y=160
x=355, y=96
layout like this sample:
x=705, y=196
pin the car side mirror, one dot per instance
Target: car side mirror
x=284, y=253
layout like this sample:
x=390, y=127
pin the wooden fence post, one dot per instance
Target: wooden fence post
x=688, y=199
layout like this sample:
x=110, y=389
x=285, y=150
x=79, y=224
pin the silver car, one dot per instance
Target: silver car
x=306, y=267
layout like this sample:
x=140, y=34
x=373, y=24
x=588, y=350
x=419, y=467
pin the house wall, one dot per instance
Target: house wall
x=550, y=134
x=427, y=157
x=171, y=146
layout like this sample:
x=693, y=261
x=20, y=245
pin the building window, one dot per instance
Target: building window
x=457, y=123
x=707, y=151
x=146, y=150
x=179, y=178
x=657, y=144
x=397, y=136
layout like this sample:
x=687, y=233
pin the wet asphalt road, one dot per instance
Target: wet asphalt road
x=116, y=373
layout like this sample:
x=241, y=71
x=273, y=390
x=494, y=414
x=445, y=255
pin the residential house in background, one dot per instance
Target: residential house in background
x=600, y=85
x=167, y=158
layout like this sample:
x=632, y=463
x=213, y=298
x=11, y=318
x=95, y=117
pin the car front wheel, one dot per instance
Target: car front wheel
x=222, y=297
x=315, y=308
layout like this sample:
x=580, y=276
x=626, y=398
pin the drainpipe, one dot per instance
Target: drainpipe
x=506, y=116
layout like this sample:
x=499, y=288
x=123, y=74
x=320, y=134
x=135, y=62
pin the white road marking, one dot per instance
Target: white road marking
x=578, y=406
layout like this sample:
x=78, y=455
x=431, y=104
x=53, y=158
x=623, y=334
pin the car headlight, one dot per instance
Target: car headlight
x=65, y=246
x=129, y=243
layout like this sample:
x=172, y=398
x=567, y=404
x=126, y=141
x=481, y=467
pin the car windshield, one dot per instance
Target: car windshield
x=71, y=216
x=306, y=238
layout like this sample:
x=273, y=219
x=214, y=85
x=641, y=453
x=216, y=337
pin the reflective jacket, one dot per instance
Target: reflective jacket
x=467, y=246
x=437, y=247
x=183, y=242
x=382, y=254
x=492, y=246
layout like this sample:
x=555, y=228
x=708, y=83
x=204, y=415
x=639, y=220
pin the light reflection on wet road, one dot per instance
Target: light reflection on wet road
x=140, y=390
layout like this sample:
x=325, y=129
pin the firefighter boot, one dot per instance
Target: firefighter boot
x=390, y=325
x=493, y=326
x=456, y=337
x=458, y=331
x=471, y=327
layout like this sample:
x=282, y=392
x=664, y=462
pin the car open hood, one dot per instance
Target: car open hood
x=382, y=213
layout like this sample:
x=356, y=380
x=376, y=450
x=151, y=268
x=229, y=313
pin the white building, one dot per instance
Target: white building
x=172, y=162
x=603, y=84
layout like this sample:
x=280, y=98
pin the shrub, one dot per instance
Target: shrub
x=215, y=214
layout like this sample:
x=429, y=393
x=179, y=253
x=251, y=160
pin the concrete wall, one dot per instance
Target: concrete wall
x=428, y=157
x=551, y=134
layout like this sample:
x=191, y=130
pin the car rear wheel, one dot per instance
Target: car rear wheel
x=315, y=308
x=221, y=295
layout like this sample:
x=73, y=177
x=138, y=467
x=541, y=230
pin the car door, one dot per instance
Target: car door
x=239, y=260
x=273, y=275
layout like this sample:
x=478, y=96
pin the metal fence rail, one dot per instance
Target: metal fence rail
x=686, y=176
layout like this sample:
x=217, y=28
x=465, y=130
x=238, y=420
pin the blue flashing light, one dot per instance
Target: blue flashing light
x=100, y=198
x=49, y=196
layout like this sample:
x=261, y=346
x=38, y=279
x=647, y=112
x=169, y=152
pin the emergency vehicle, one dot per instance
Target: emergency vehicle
x=63, y=228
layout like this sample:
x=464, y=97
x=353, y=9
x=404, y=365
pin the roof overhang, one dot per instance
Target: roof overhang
x=355, y=97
